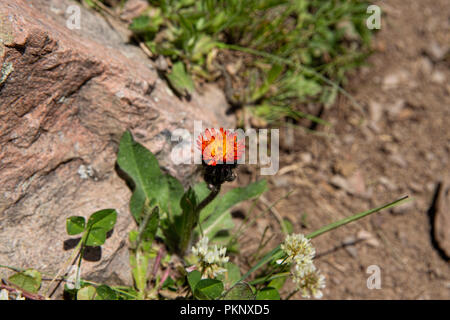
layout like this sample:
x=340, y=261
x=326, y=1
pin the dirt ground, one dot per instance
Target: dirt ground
x=399, y=144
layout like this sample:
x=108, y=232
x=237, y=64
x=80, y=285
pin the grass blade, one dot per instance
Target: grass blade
x=277, y=251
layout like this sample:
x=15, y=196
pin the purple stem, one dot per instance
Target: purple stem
x=157, y=262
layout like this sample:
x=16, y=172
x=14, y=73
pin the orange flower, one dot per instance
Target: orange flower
x=218, y=147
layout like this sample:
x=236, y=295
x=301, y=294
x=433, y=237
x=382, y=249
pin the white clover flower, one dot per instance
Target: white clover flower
x=309, y=281
x=201, y=248
x=211, y=259
x=4, y=295
x=298, y=249
x=19, y=296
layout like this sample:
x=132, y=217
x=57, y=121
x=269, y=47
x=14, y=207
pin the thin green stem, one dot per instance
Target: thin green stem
x=355, y=217
x=277, y=251
x=272, y=277
x=75, y=252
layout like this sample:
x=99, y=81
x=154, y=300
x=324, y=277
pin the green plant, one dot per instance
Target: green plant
x=163, y=260
x=274, y=55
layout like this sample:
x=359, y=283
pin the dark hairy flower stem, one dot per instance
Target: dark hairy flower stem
x=212, y=195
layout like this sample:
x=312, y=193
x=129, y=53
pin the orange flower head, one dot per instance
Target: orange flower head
x=220, y=147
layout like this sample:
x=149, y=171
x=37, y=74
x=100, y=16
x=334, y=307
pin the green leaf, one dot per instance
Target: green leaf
x=95, y=237
x=287, y=226
x=277, y=283
x=133, y=236
x=272, y=75
x=233, y=274
x=188, y=220
x=139, y=267
x=180, y=80
x=170, y=284
x=208, y=289
x=105, y=292
x=237, y=195
x=89, y=3
x=28, y=280
x=220, y=219
x=176, y=192
x=193, y=278
x=151, y=224
x=240, y=291
x=146, y=24
x=268, y=294
x=142, y=167
x=222, y=222
x=86, y=293
x=104, y=219
x=202, y=46
x=75, y=225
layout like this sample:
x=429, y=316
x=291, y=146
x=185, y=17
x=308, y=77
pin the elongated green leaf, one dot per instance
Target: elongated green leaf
x=150, y=224
x=75, y=225
x=238, y=195
x=220, y=218
x=103, y=219
x=139, y=267
x=221, y=222
x=268, y=294
x=141, y=165
x=188, y=220
x=240, y=291
x=176, y=192
x=28, y=280
x=208, y=289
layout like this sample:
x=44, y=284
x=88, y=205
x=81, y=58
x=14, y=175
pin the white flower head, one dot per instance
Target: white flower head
x=309, y=281
x=298, y=249
x=211, y=259
x=19, y=296
x=4, y=295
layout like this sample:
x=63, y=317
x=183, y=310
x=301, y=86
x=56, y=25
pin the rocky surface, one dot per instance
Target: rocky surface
x=398, y=145
x=66, y=97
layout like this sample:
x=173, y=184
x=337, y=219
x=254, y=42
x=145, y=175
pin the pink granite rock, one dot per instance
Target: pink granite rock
x=66, y=97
